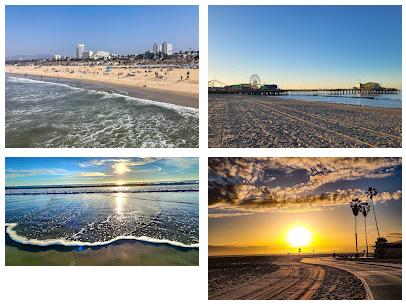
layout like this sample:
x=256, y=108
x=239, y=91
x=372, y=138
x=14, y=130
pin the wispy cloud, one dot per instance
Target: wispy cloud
x=124, y=165
x=92, y=174
x=11, y=173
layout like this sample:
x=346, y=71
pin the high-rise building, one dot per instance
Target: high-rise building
x=167, y=48
x=80, y=49
x=157, y=48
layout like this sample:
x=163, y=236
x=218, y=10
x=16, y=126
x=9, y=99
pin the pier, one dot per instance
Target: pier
x=318, y=92
x=255, y=88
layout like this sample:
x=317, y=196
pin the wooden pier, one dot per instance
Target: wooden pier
x=317, y=92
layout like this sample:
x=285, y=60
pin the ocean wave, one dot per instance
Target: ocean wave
x=15, y=79
x=63, y=242
x=101, y=192
x=177, y=108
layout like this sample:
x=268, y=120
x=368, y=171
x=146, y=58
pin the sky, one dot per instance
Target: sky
x=306, y=46
x=255, y=203
x=57, y=29
x=69, y=171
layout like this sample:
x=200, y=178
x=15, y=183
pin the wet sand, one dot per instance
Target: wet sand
x=120, y=253
x=279, y=278
x=186, y=98
x=240, y=121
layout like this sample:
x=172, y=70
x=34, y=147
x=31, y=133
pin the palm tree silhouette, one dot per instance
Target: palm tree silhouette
x=355, y=205
x=380, y=247
x=365, y=208
x=371, y=193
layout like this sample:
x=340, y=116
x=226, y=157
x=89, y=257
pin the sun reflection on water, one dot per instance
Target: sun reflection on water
x=120, y=200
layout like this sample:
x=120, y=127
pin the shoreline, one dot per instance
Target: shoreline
x=315, y=102
x=318, y=102
x=179, y=98
x=120, y=253
x=11, y=235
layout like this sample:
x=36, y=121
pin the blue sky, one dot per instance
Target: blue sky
x=57, y=171
x=306, y=46
x=119, y=29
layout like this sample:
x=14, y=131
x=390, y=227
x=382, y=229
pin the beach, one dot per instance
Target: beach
x=241, y=121
x=279, y=277
x=120, y=253
x=158, y=84
x=103, y=225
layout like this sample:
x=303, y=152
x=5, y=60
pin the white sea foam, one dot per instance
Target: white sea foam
x=180, y=109
x=63, y=242
x=14, y=79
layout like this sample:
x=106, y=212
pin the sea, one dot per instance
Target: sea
x=379, y=101
x=95, y=215
x=60, y=114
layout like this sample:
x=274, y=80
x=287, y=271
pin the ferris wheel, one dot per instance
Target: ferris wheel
x=255, y=81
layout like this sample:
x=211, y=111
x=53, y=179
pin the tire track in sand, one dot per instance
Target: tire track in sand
x=291, y=281
x=314, y=124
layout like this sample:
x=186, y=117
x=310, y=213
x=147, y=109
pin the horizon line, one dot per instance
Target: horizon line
x=102, y=184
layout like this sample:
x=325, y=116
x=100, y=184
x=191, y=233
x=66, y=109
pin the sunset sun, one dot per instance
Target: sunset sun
x=299, y=236
x=121, y=168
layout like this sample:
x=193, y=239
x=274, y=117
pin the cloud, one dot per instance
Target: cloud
x=181, y=162
x=11, y=173
x=395, y=235
x=126, y=165
x=92, y=174
x=298, y=204
x=119, y=165
x=253, y=183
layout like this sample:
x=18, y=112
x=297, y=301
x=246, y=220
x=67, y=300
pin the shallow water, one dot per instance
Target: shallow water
x=51, y=114
x=381, y=101
x=101, y=215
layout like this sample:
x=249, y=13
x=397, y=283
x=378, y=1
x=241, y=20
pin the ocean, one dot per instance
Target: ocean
x=99, y=215
x=381, y=100
x=53, y=114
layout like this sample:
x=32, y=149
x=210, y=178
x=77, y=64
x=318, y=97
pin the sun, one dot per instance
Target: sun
x=121, y=168
x=299, y=236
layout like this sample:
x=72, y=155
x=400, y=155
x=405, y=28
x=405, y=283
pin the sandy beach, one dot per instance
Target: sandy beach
x=238, y=121
x=279, y=278
x=158, y=84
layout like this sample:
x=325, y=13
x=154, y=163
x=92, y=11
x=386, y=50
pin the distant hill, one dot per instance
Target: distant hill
x=29, y=57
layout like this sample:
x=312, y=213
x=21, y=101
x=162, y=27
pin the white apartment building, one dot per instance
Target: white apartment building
x=157, y=48
x=57, y=57
x=87, y=54
x=101, y=55
x=80, y=49
x=167, y=48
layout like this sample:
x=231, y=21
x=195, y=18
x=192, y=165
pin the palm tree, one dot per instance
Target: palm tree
x=365, y=208
x=380, y=247
x=371, y=193
x=355, y=205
